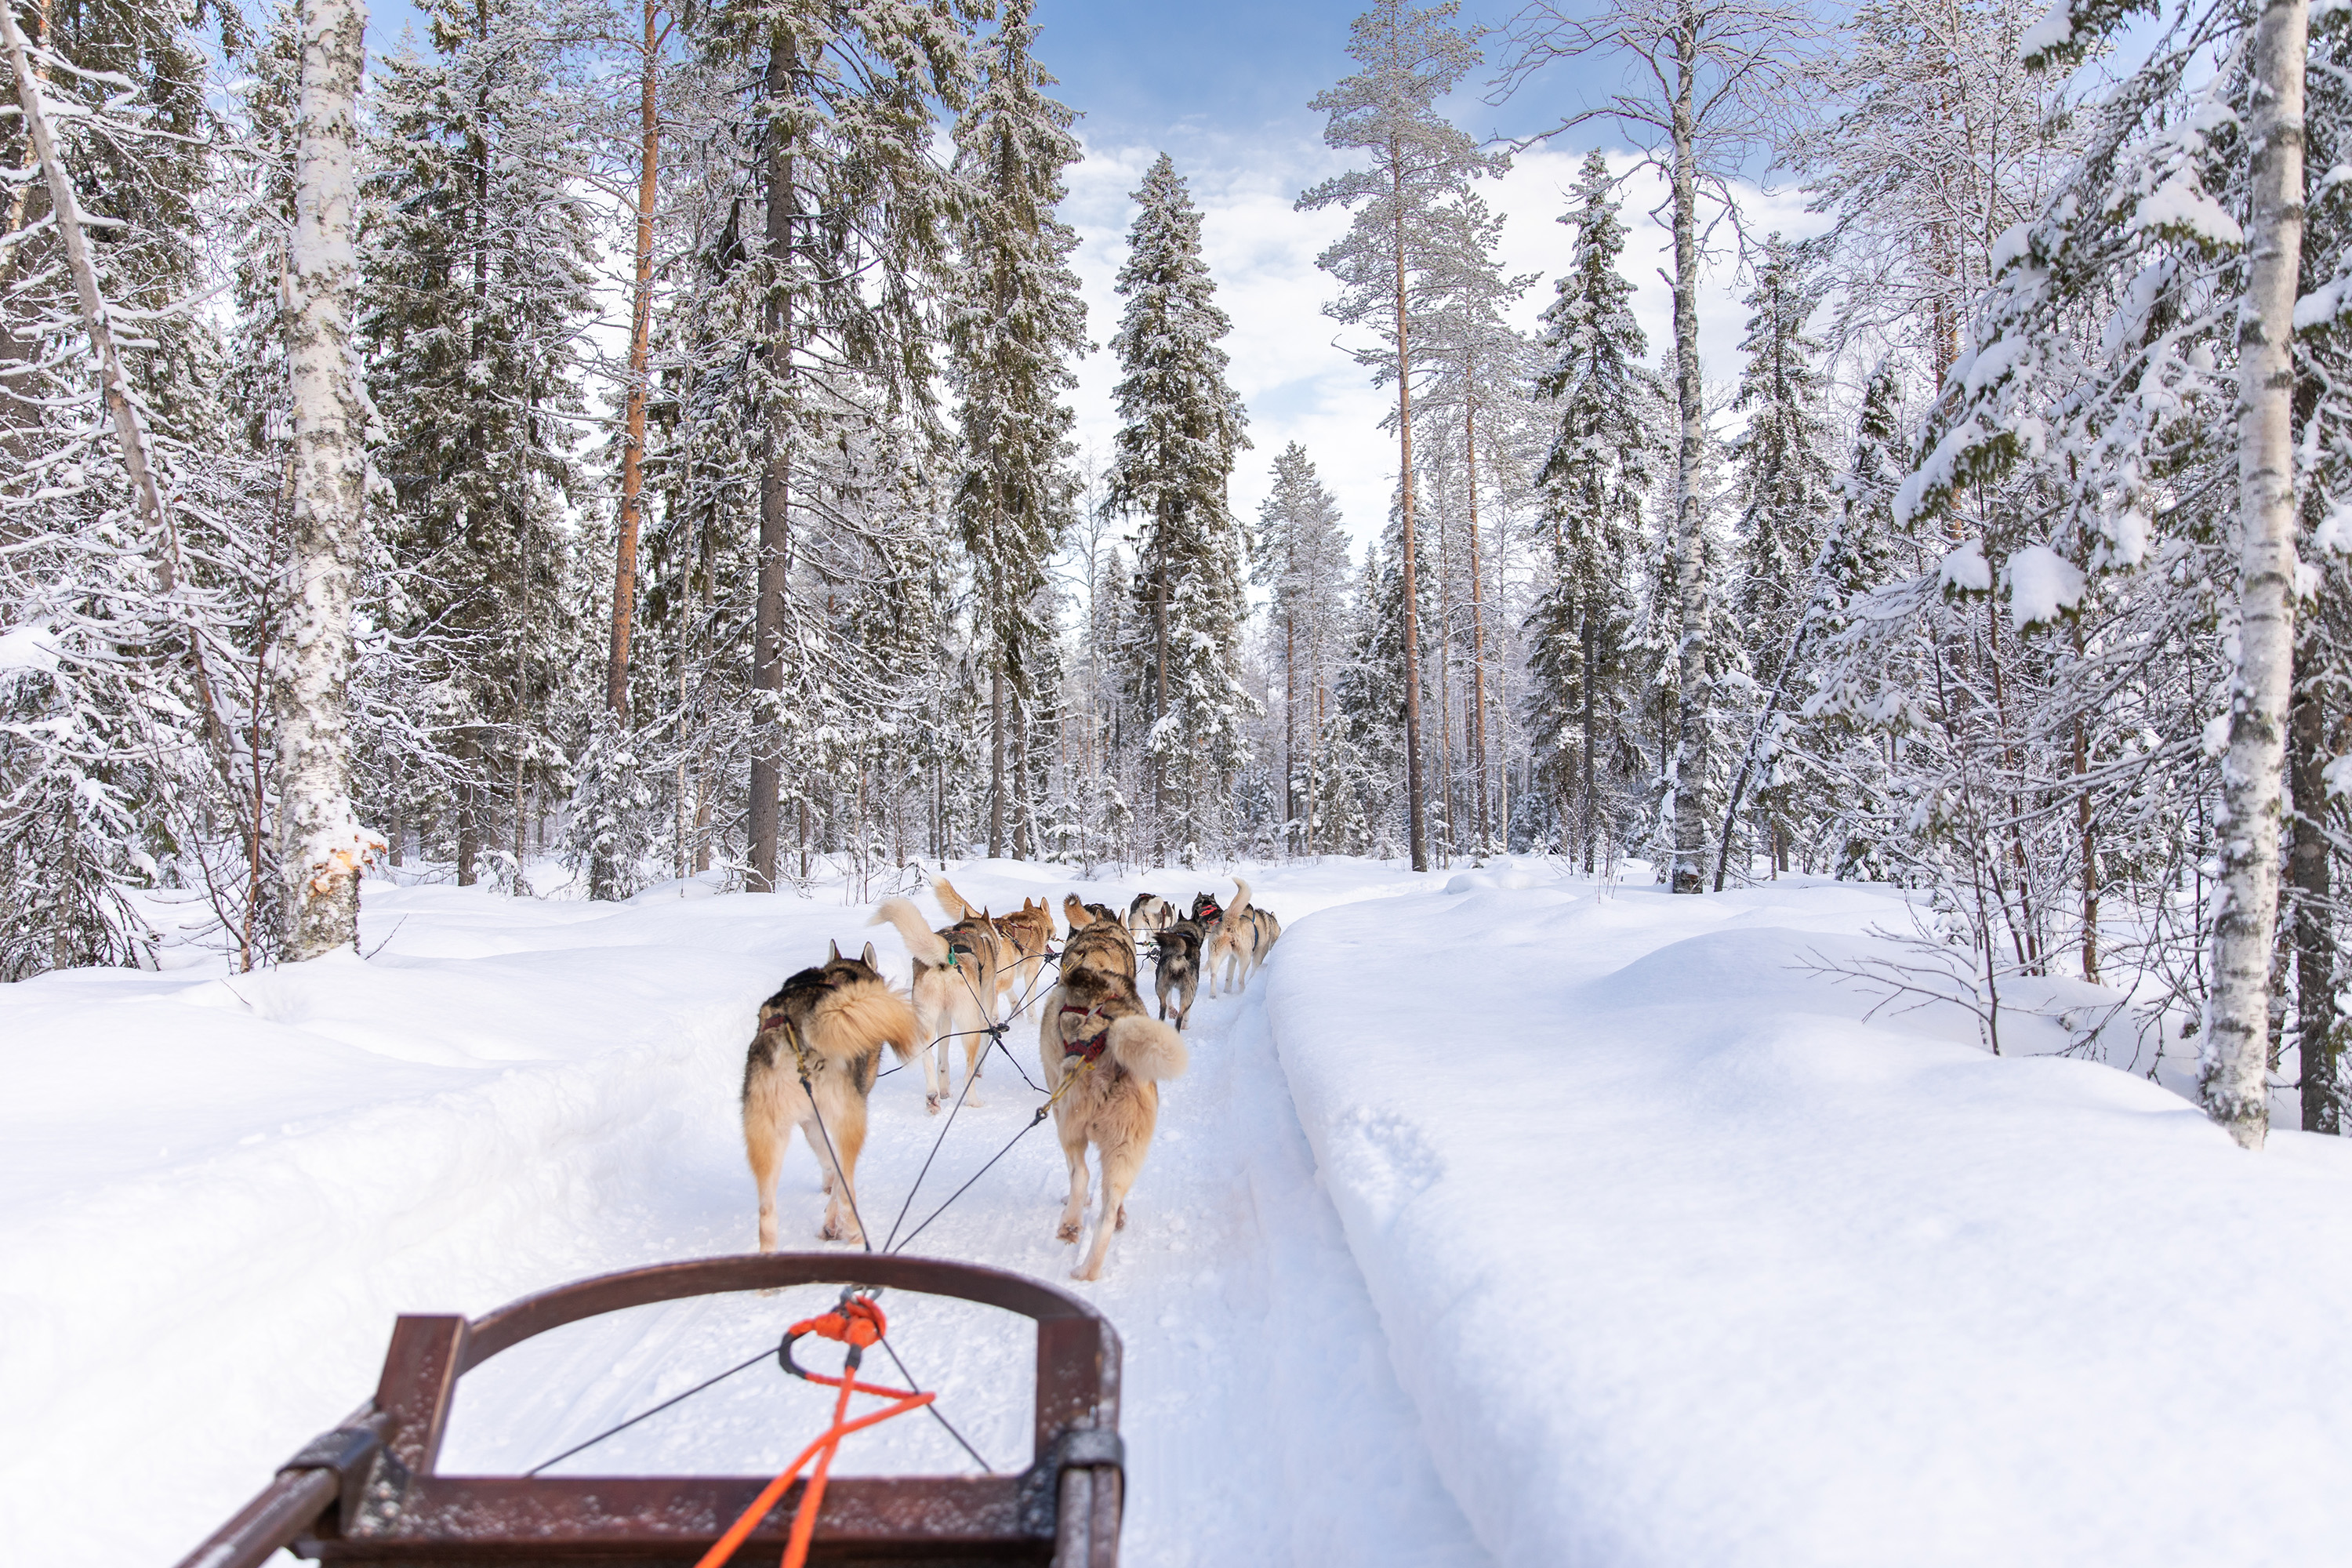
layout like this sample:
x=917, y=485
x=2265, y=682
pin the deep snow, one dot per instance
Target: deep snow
x=1504, y=1219
x=1685, y=1263
x=215, y=1195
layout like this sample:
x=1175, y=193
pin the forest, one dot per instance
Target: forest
x=638, y=438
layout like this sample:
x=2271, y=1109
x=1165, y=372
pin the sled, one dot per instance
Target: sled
x=370, y=1493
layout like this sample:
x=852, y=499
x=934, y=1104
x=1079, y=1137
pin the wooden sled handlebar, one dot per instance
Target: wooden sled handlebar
x=368, y=1491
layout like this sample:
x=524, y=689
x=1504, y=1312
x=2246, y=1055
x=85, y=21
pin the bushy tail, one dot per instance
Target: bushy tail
x=865, y=1012
x=1240, y=910
x=1148, y=1048
x=913, y=930
x=958, y=907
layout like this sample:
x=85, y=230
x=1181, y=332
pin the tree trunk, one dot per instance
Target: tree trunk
x=1475, y=739
x=2309, y=871
x=1694, y=681
x=1417, y=828
x=1158, y=711
x=641, y=313
x=1589, y=828
x=996, y=762
x=2232, y=1070
x=320, y=841
x=1290, y=722
x=775, y=500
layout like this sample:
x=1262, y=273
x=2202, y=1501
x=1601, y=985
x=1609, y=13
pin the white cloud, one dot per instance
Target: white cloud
x=1297, y=383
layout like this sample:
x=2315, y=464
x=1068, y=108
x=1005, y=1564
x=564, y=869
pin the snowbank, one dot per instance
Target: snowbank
x=1683, y=1262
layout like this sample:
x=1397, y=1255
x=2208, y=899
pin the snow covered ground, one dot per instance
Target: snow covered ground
x=1682, y=1262
x=1504, y=1219
x=215, y=1194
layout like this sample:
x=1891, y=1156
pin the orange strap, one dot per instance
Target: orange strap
x=857, y=1322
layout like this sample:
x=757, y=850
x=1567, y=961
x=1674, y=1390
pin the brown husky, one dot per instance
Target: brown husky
x=1098, y=940
x=1150, y=913
x=1179, y=969
x=1240, y=941
x=955, y=989
x=825, y=1029
x=1028, y=931
x=1103, y=1060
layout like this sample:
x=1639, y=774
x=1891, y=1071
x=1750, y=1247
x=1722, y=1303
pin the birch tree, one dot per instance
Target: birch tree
x=321, y=843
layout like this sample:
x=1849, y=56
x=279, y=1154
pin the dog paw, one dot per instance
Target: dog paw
x=1087, y=1274
x=1067, y=1232
x=932, y=1103
x=1122, y=1218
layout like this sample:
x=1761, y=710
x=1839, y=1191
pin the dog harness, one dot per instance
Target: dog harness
x=1091, y=1047
x=1210, y=912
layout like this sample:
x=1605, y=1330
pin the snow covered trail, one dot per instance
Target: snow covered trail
x=1686, y=1262
x=215, y=1194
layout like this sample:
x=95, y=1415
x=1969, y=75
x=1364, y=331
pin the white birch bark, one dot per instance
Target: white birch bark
x=2233, y=1067
x=320, y=841
x=1693, y=677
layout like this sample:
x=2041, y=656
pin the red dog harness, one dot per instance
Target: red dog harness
x=1089, y=1047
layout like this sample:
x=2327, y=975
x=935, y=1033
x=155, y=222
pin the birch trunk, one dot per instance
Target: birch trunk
x=320, y=841
x=1693, y=680
x=1418, y=831
x=2232, y=1068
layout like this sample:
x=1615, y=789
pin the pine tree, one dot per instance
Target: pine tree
x=1017, y=322
x=1303, y=557
x=1605, y=405
x=1420, y=161
x=1180, y=429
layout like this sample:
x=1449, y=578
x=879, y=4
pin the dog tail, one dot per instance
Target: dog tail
x=1075, y=910
x=957, y=906
x=1148, y=1047
x=1240, y=910
x=920, y=938
x=872, y=1011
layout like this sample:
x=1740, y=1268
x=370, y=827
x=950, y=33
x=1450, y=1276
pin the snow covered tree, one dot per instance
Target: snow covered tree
x=1181, y=429
x=481, y=289
x=1706, y=77
x=1604, y=404
x=853, y=224
x=1303, y=558
x=1016, y=324
x=1418, y=163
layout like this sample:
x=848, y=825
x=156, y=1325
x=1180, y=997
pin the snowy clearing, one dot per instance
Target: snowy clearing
x=1503, y=1220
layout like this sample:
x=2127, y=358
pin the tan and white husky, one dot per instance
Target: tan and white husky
x=955, y=991
x=1240, y=941
x=829, y=1023
x=1095, y=1029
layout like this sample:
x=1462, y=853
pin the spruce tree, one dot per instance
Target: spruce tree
x=1016, y=324
x=1604, y=407
x=1180, y=429
x=1303, y=558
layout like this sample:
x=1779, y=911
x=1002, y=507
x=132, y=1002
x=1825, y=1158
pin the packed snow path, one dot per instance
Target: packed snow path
x=297, y=1156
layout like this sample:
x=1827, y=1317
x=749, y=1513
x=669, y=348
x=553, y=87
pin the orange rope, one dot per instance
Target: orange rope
x=856, y=1322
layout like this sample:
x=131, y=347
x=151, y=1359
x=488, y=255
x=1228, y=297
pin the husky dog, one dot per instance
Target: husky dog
x=1028, y=931
x=1098, y=940
x=1150, y=913
x=1095, y=1028
x=1179, y=969
x=825, y=1029
x=956, y=987
x=1239, y=942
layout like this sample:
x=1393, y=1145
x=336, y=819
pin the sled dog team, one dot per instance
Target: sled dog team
x=815, y=1056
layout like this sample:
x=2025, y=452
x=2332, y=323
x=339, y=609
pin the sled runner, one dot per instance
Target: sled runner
x=369, y=1492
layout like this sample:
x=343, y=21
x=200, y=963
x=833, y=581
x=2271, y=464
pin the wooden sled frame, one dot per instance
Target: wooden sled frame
x=368, y=1492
